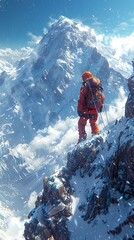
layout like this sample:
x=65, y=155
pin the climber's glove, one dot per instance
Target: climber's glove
x=100, y=110
x=80, y=114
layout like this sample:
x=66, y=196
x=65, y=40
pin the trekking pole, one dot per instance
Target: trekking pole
x=102, y=119
x=106, y=115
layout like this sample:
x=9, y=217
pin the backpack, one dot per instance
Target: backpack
x=94, y=97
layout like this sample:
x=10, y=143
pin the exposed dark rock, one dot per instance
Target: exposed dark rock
x=52, y=208
x=97, y=204
x=120, y=167
x=129, y=221
x=83, y=157
x=129, y=108
x=3, y=76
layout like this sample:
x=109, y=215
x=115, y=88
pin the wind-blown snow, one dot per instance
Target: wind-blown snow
x=118, y=51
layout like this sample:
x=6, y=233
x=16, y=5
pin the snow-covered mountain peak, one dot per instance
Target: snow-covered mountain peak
x=38, y=106
x=52, y=73
x=54, y=69
x=67, y=26
x=62, y=44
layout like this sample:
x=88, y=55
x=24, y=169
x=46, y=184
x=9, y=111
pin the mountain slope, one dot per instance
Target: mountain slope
x=92, y=197
x=38, y=114
x=45, y=87
x=54, y=72
x=97, y=183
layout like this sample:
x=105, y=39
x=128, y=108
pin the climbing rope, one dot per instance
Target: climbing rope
x=100, y=114
x=106, y=115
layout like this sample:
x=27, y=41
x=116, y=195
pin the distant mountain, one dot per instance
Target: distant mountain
x=9, y=58
x=38, y=100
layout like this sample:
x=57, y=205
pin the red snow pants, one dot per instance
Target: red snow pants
x=82, y=124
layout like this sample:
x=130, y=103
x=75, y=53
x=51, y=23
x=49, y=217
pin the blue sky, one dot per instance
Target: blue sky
x=19, y=17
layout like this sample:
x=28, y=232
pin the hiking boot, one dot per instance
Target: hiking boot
x=95, y=129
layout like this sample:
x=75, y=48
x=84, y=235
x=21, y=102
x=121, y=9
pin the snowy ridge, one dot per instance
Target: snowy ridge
x=101, y=192
x=112, y=218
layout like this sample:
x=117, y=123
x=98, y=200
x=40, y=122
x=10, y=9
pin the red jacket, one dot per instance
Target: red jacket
x=82, y=108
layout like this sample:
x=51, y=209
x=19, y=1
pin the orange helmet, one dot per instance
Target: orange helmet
x=86, y=75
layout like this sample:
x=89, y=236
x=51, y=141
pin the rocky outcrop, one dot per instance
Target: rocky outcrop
x=129, y=108
x=117, y=173
x=83, y=157
x=52, y=208
x=110, y=163
x=122, y=168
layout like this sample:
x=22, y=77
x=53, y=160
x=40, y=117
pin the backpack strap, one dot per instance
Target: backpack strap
x=86, y=92
x=91, y=87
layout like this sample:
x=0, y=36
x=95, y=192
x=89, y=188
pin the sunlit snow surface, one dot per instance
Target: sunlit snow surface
x=31, y=148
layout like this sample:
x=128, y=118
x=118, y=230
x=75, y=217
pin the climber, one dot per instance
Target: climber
x=90, y=103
